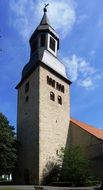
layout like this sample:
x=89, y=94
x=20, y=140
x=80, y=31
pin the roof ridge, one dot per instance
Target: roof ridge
x=89, y=128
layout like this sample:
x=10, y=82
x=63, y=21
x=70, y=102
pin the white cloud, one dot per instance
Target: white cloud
x=26, y=14
x=61, y=15
x=87, y=83
x=71, y=64
x=80, y=71
x=22, y=13
x=82, y=18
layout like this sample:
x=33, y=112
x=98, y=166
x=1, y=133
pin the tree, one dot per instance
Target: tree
x=7, y=146
x=75, y=166
x=71, y=168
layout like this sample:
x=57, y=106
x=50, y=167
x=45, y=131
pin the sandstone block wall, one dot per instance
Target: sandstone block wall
x=42, y=125
x=79, y=136
x=28, y=130
x=53, y=120
x=92, y=145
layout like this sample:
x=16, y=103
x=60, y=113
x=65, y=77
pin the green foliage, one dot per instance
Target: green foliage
x=70, y=169
x=8, y=188
x=75, y=169
x=52, y=173
x=7, y=146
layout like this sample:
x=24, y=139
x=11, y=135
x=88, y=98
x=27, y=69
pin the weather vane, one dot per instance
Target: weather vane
x=45, y=8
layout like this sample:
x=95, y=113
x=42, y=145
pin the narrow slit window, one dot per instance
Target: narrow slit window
x=51, y=81
x=27, y=87
x=60, y=100
x=48, y=80
x=27, y=99
x=62, y=88
x=34, y=46
x=52, y=44
x=42, y=40
x=52, y=96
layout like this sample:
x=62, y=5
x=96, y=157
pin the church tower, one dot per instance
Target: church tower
x=43, y=110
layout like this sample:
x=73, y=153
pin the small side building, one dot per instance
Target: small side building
x=91, y=139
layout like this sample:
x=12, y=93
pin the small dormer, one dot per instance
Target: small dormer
x=44, y=37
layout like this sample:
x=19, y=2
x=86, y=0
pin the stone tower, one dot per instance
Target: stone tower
x=43, y=106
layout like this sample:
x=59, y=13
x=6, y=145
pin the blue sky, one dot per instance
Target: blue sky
x=80, y=26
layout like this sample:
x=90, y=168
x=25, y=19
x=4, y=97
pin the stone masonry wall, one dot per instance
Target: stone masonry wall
x=28, y=130
x=92, y=146
x=79, y=136
x=53, y=122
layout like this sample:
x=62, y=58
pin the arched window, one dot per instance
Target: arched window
x=60, y=100
x=52, y=96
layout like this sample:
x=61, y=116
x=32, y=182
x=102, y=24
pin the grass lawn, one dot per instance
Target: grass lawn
x=8, y=189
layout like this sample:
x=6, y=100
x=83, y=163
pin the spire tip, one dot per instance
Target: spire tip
x=45, y=8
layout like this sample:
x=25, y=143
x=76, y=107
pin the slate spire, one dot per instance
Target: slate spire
x=44, y=46
x=45, y=20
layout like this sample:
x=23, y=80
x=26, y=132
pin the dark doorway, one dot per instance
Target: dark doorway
x=26, y=177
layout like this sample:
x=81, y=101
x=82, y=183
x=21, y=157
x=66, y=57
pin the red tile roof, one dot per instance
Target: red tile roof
x=90, y=129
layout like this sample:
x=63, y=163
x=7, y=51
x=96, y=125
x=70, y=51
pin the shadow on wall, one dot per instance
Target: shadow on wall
x=26, y=177
x=51, y=173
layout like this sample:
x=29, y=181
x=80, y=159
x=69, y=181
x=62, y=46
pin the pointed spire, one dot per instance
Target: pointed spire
x=44, y=27
x=45, y=20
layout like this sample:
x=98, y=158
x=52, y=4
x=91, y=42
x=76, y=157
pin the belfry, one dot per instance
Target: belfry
x=43, y=105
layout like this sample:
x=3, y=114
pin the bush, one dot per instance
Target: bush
x=52, y=173
x=70, y=169
x=75, y=167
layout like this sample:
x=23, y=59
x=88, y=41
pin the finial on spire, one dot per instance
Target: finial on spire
x=45, y=8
